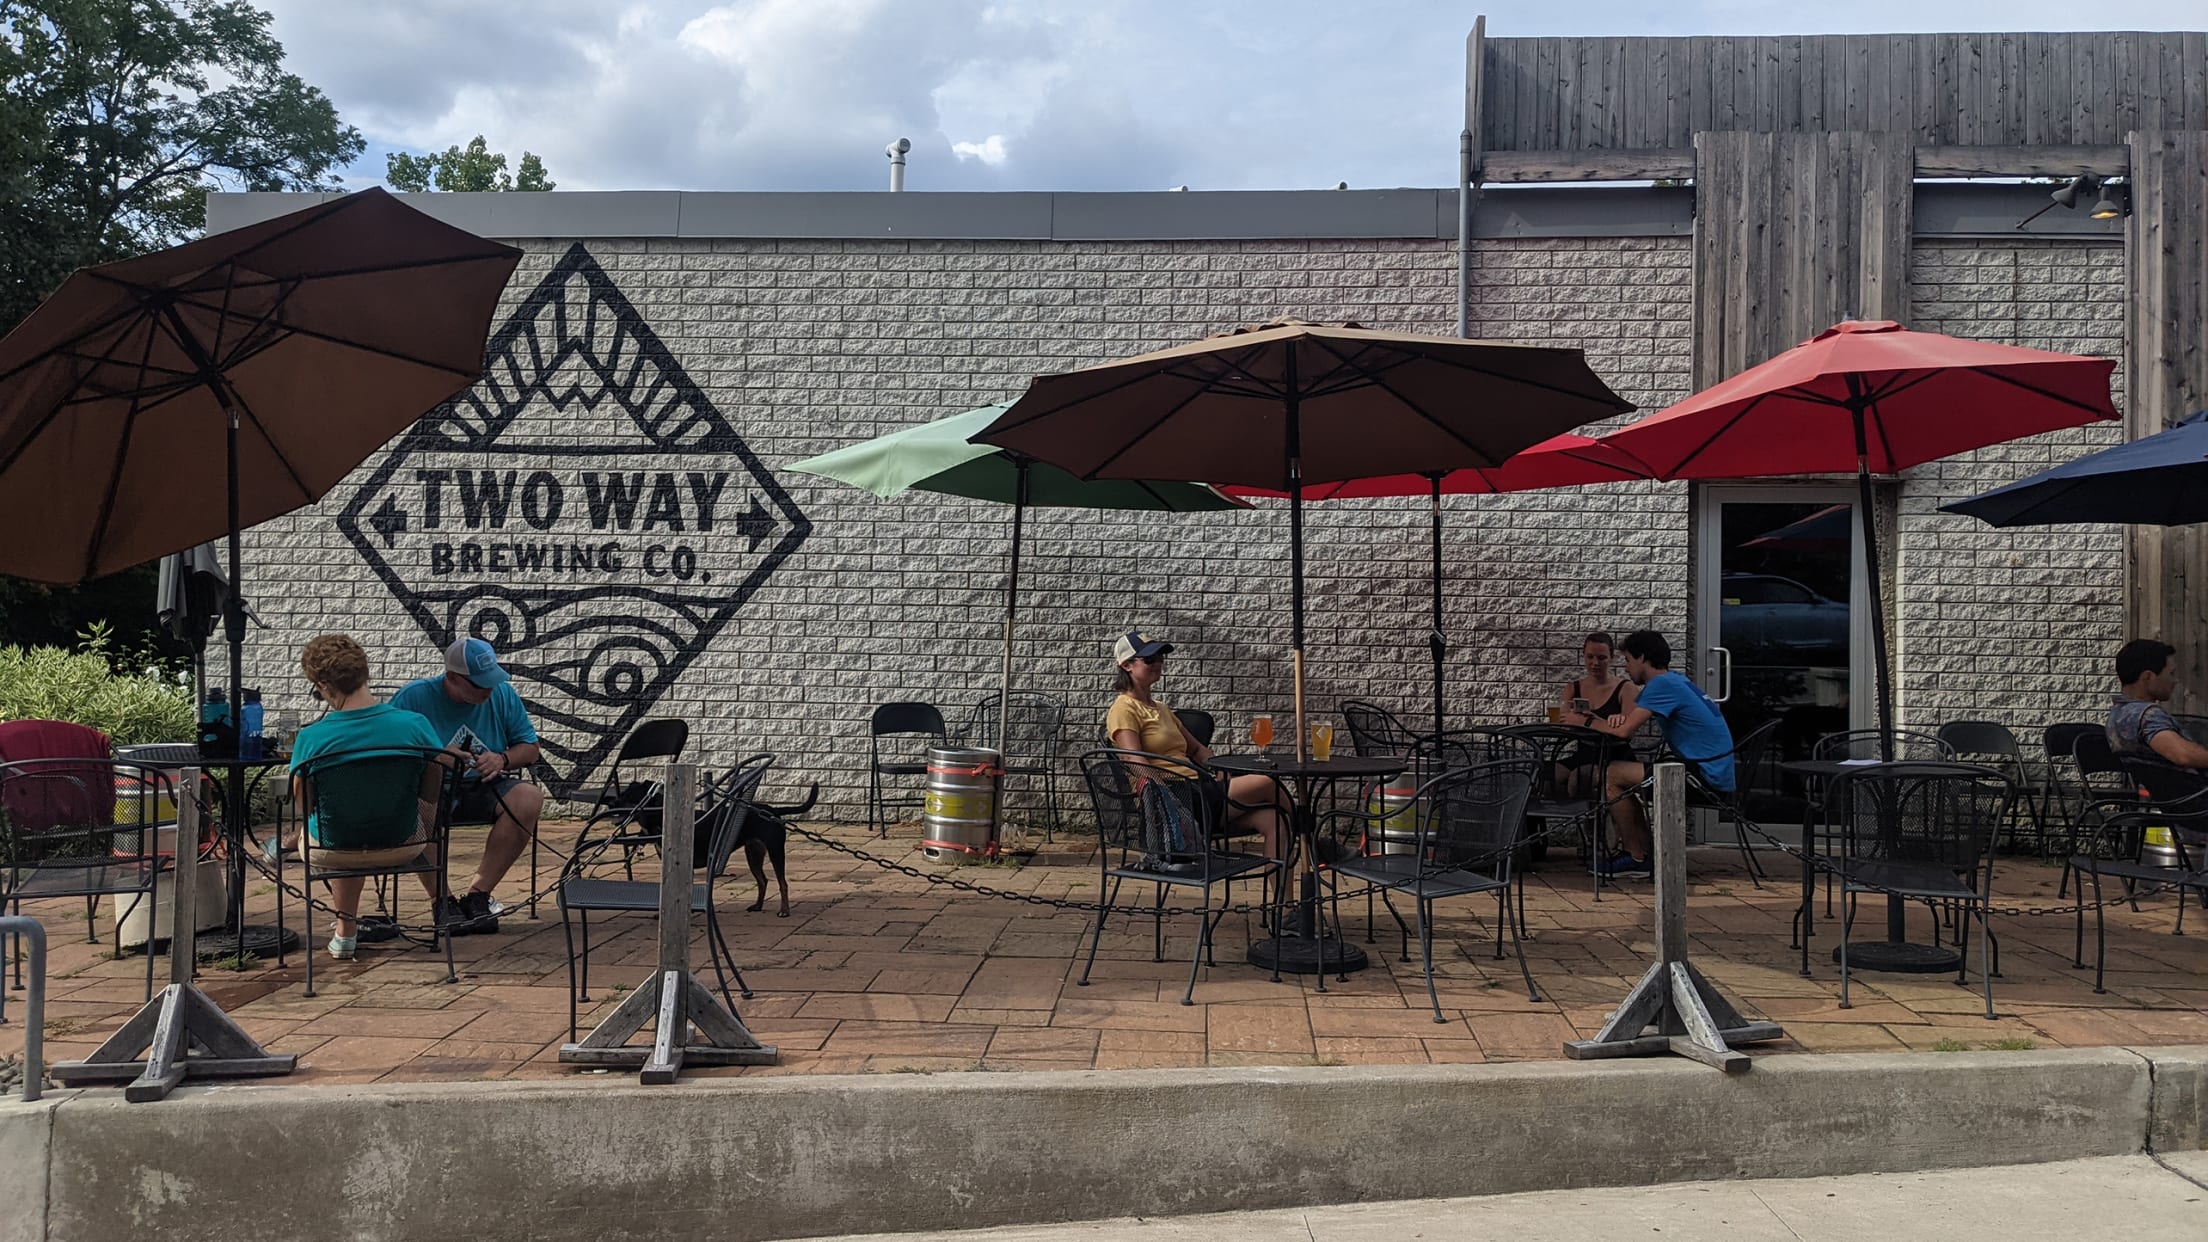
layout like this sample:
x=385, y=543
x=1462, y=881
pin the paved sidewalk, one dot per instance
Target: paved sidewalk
x=2131, y=1197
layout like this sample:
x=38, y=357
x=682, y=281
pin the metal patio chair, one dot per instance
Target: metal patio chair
x=917, y=726
x=370, y=800
x=1034, y=730
x=86, y=828
x=1989, y=744
x=2176, y=802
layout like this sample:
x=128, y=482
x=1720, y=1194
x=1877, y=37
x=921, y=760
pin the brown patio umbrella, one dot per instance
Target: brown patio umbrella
x=159, y=402
x=1291, y=404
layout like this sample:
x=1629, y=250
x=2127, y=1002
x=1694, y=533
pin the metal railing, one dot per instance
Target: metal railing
x=34, y=1002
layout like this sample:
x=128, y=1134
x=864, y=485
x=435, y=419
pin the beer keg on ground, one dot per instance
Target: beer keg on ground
x=1399, y=814
x=959, y=803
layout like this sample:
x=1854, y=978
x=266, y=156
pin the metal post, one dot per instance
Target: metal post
x=34, y=1003
x=1295, y=544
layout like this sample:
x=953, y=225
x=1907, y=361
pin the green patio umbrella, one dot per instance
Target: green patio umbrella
x=937, y=457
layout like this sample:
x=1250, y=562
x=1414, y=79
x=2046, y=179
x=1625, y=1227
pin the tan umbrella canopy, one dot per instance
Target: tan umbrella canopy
x=1291, y=403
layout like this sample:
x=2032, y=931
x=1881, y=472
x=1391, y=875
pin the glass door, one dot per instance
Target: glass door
x=1783, y=621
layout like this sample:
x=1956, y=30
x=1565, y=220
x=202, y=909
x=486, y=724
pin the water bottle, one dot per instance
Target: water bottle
x=249, y=724
x=218, y=734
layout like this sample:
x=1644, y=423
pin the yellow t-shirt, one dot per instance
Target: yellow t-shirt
x=1154, y=723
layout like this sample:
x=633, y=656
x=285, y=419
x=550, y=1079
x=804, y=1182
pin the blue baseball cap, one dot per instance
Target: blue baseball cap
x=473, y=659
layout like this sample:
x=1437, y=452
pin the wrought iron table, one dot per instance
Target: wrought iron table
x=1896, y=954
x=1305, y=947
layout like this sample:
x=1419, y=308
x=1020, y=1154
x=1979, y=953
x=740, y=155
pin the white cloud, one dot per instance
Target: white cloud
x=989, y=150
x=1068, y=94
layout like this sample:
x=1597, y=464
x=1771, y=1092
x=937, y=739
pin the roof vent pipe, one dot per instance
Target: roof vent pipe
x=896, y=153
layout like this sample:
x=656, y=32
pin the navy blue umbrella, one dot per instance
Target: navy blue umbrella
x=2161, y=480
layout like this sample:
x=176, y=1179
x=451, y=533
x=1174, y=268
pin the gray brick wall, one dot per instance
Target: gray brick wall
x=2016, y=626
x=805, y=346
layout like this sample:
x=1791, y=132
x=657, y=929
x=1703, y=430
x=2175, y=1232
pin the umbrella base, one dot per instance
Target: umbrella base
x=1301, y=955
x=1899, y=958
x=260, y=941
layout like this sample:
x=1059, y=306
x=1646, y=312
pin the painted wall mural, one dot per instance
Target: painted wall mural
x=585, y=509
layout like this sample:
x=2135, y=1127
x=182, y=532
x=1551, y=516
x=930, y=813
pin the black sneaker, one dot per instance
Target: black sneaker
x=475, y=909
x=377, y=927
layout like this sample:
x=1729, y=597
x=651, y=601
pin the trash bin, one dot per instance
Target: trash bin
x=959, y=803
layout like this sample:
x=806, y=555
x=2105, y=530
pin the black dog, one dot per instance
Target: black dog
x=763, y=834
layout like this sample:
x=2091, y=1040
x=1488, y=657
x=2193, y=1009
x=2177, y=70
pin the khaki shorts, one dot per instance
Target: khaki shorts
x=385, y=856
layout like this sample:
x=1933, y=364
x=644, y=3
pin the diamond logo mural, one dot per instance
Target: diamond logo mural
x=585, y=509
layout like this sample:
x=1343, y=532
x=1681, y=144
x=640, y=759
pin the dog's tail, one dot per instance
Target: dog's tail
x=792, y=812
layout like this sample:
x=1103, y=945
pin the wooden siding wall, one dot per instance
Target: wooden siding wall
x=1977, y=90
x=1792, y=233
x=2166, y=330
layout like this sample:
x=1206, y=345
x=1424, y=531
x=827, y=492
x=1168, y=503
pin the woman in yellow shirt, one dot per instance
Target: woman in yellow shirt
x=1137, y=721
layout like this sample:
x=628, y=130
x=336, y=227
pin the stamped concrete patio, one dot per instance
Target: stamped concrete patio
x=880, y=972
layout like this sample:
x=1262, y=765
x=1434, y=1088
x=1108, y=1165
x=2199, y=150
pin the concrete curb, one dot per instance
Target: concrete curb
x=787, y=1157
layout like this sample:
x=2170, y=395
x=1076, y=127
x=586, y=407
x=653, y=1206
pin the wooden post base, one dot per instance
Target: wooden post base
x=1689, y=1016
x=181, y=1034
x=676, y=1003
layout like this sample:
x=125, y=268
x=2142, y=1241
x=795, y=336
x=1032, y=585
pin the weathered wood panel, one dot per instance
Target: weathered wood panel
x=1794, y=232
x=2004, y=90
x=2166, y=378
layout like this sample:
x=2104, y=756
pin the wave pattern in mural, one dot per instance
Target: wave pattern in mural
x=584, y=508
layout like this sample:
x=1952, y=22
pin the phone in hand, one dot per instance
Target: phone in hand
x=1582, y=706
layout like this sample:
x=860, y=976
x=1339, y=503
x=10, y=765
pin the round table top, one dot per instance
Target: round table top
x=1351, y=766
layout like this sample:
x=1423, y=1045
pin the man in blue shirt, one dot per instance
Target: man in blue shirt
x=1693, y=727
x=473, y=707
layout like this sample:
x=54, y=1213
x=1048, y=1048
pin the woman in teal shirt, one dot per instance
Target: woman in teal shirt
x=338, y=670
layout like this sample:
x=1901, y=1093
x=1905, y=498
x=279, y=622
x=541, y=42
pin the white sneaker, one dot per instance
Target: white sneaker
x=342, y=947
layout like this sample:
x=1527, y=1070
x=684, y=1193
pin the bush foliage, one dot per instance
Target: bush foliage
x=87, y=688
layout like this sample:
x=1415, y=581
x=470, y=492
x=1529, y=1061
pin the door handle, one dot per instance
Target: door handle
x=1724, y=671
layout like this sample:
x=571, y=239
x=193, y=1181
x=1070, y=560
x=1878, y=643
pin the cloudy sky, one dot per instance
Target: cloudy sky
x=994, y=94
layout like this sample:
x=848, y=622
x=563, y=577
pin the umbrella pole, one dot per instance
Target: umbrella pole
x=233, y=629
x=1011, y=604
x=1870, y=577
x=1295, y=548
x=1437, y=640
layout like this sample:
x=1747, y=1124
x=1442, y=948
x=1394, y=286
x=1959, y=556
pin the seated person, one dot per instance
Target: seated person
x=474, y=706
x=338, y=671
x=1598, y=693
x=1138, y=721
x=1693, y=728
x=2138, y=724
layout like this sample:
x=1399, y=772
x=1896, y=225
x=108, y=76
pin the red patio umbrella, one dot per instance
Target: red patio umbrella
x=1561, y=461
x=1869, y=396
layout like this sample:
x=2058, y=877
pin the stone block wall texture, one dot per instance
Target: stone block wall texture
x=795, y=347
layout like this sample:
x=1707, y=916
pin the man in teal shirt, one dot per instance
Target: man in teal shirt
x=474, y=708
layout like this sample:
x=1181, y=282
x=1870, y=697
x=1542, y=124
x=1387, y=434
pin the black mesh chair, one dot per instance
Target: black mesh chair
x=1375, y=732
x=370, y=800
x=1159, y=831
x=1568, y=784
x=1989, y=744
x=1466, y=843
x=2176, y=803
x=1924, y=832
x=627, y=809
x=1732, y=804
x=1200, y=724
x=725, y=805
x=2102, y=787
x=85, y=828
x=2058, y=796
x=1870, y=745
x=1034, y=730
x=916, y=726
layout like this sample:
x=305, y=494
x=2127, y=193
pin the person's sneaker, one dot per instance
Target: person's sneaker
x=341, y=947
x=1624, y=866
x=375, y=928
x=475, y=909
x=450, y=918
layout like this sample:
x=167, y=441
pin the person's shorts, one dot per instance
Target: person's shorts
x=382, y=856
x=481, y=801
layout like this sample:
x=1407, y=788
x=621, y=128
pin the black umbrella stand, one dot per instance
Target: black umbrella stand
x=1302, y=945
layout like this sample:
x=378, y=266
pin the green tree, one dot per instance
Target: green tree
x=117, y=117
x=474, y=168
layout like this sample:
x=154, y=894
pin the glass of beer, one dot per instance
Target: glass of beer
x=1556, y=714
x=1322, y=741
x=1261, y=732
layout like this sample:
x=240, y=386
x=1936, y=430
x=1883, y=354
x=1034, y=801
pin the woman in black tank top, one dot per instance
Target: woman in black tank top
x=1597, y=694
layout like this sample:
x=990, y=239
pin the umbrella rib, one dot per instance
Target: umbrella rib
x=1127, y=446
x=89, y=330
x=1415, y=408
x=1131, y=379
x=115, y=476
x=1714, y=437
x=234, y=404
x=2035, y=389
x=1615, y=402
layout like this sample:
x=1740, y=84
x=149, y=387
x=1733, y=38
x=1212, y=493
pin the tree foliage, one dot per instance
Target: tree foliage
x=117, y=117
x=474, y=168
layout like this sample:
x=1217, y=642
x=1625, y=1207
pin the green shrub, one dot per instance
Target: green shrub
x=49, y=683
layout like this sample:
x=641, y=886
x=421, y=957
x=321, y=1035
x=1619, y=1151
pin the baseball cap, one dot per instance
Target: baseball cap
x=473, y=659
x=1132, y=644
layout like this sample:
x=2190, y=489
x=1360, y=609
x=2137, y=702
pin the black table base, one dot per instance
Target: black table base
x=260, y=941
x=1301, y=955
x=1900, y=958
